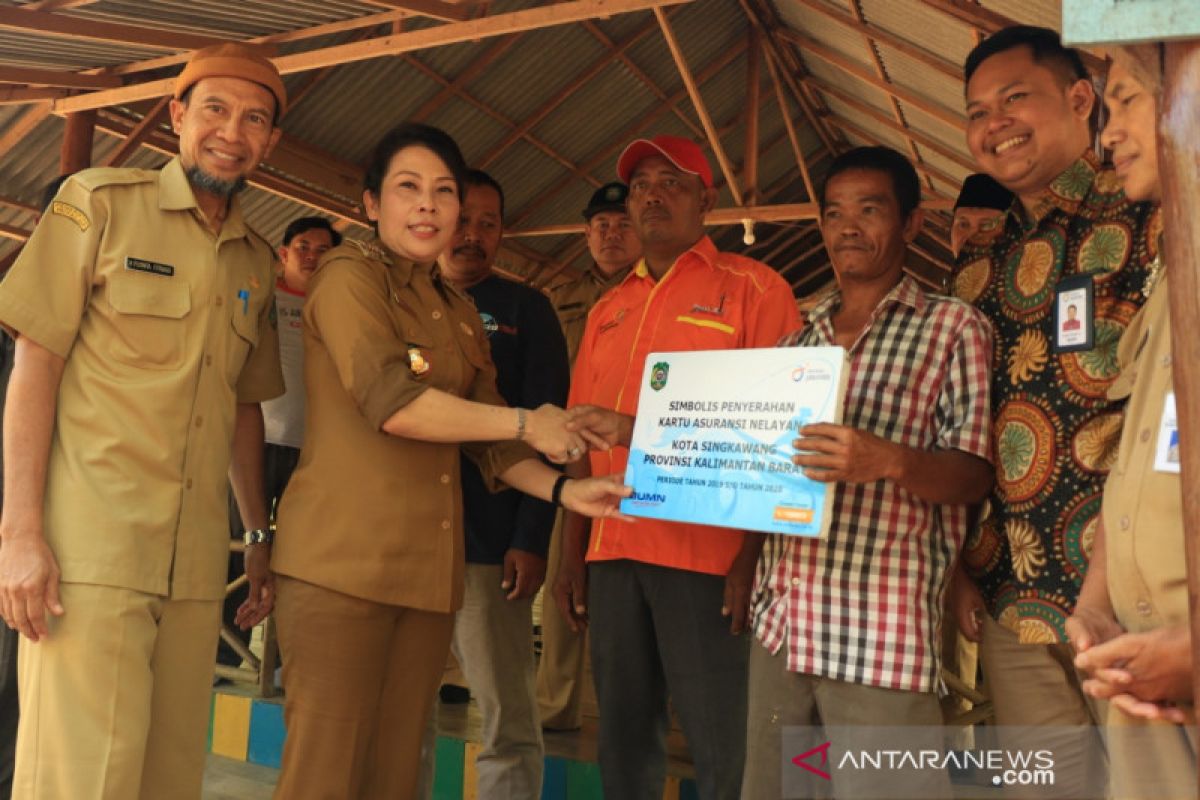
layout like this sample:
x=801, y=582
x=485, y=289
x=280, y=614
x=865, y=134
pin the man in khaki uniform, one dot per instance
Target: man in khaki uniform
x=614, y=248
x=1130, y=626
x=142, y=307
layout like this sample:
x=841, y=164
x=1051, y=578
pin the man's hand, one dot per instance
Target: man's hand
x=601, y=427
x=28, y=584
x=570, y=591
x=1154, y=667
x=846, y=455
x=258, y=605
x=965, y=602
x=739, y=584
x=1089, y=627
x=523, y=573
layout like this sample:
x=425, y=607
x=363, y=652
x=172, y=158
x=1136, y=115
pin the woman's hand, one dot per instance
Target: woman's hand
x=596, y=497
x=546, y=431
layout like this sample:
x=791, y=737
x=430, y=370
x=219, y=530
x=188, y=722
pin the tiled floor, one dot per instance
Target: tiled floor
x=227, y=779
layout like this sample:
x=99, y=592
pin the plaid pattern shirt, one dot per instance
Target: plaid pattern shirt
x=864, y=605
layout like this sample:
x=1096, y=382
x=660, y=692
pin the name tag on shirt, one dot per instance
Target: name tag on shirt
x=1074, y=317
x=153, y=267
x=1166, y=453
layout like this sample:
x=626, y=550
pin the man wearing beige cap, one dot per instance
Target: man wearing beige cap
x=142, y=307
x=666, y=601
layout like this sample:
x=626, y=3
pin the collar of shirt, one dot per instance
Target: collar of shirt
x=704, y=249
x=905, y=292
x=1065, y=193
x=175, y=194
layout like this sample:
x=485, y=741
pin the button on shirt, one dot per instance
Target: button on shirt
x=368, y=514
x=1054, y=430
x=864, y=605
x=706, y=301
x=1143, y=507
x=164, y=326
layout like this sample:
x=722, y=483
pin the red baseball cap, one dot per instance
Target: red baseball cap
x=685, y=154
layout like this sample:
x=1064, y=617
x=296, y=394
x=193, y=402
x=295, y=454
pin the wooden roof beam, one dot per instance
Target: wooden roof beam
x=456, y=86
x=831, y=56
x=22, y=126
x=987, y=22
x=756, y=12
x=13, y=232
x=57, y=5
x=446, y=12
x=10, y=202
x=23, y=95
x=693, y=89
x=640, y=74
x=793, y=138
x=902, y=45
x=451, y=33
x=504, y=120
x=753, y=103
x=718, y=216
x=51, y=77
x=874, y=113
x=148, y=124
x=623, y=138
x=574, y=85
x=927, y=169
x=40, y=22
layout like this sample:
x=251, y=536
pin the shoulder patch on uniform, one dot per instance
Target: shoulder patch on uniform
x=368, y=249
x=96, y=177
x=72, y=213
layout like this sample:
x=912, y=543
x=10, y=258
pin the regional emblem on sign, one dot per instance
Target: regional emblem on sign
x=658, y=375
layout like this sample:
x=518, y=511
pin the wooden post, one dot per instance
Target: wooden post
x=750, y=158
x=77, y=142
x=1179, y=166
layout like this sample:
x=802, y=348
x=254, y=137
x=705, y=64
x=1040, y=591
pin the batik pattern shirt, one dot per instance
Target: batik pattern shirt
x=1055, y=431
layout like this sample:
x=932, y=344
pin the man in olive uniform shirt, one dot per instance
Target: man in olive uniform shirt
x=1130, y=625
x=145, y=342
x=614, y=248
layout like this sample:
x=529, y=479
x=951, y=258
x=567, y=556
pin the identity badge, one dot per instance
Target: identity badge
x=1074, y=314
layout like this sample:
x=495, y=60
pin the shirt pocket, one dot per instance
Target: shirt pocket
x=242, y=343
x=149, y=320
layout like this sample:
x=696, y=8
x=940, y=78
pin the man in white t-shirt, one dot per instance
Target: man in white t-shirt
x=304, y=242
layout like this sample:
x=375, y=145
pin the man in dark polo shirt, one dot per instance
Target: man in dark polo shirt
x=507, y=533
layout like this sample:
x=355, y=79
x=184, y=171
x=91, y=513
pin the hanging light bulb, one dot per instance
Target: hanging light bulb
x=748, y=232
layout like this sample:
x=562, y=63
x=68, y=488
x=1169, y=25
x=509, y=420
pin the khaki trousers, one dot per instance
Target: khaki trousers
x=1150, y=760
x=780, y=698
x=114, y=704
x=1036, y=685
x=493, y=641
x=560, y=671
x=359, y=681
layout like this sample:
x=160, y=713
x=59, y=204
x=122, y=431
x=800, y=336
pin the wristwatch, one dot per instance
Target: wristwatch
x=257, y=536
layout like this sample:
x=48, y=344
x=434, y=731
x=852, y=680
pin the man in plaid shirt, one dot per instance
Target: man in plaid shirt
x=848, y=625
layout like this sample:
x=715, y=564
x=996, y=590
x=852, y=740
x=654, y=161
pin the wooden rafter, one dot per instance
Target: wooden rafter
x=693, y=90
x=753, y=103
x=572, y=86
x=781, y=248
x=793, y=138
x=447, y=12
x=451, y=33
x=138, y=134
x=718, y=216
x=874, y=113
x=298, y=93
x=13, y=232
x=51, y=77
x=766, y=21
x=10, y=202
x=623, y=138
x=807, y=44
x=22, y=126
x=455, y=87
x=40, y=22
x=503, y=119
x=20, y=95
x=57, y=5
x=882, y=74
x=883, y=36
x=641, y=75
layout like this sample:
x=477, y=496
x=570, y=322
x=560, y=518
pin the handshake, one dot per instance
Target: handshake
x=565, y=435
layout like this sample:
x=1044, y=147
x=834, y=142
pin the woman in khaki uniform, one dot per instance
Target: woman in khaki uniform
x=369, y=556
